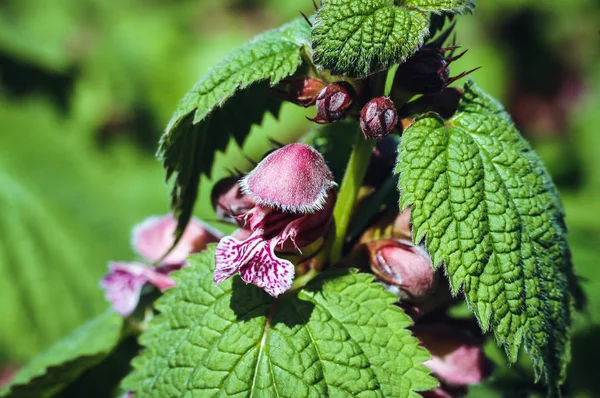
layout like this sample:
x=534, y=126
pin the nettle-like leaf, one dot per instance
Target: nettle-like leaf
x=52, y=370
x=488, y=210
x=341, y=335
x=357, y=38
x=442, y=6
x=224, y=104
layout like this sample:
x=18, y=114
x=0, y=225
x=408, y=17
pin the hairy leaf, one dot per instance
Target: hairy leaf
x=52, y=370
x=488, y=210
x=225, y=104
x=341, y=335
x=357, y=38
x=442, y=6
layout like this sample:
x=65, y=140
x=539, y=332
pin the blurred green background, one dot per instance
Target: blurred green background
x=86, y=86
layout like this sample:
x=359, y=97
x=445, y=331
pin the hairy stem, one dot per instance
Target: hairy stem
x=345, y=205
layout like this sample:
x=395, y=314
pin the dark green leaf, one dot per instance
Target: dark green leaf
x=489, y=211
x=341, y=335
x=52, y=370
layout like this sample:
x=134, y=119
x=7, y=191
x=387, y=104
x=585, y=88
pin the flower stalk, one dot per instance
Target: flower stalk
x=345, y=205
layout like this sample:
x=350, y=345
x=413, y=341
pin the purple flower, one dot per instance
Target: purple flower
x=151, y=239
x=292, y=188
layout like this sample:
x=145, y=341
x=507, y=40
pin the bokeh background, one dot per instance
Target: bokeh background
x=86, y=87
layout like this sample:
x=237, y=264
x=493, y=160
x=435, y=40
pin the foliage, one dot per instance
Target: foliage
x=63, y=362
x=339, y=335
x=86, y=88
x=489, y=211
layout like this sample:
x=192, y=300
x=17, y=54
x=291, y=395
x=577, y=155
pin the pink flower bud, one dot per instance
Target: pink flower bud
x=378, y=117
x=404, y=265
x=334, y=102
x=293, y=179
x=302, y=91
x=457, y=356
x=123, y=284
x=154, y=236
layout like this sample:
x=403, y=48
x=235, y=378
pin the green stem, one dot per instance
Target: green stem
x=355, y=172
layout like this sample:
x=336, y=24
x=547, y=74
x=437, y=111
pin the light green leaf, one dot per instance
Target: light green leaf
x=442, y=6
x=357, y=38
x=52, y=370
x=488, y=210
x=341, y=335
x=224, y=104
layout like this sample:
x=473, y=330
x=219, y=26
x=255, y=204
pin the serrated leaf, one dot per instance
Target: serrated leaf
x=488, y=210
x=52, y=370
x=224, y=104
x=442, y=6
x=341, y=335
x=357, y=38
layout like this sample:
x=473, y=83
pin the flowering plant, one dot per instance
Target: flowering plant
x=340, y=278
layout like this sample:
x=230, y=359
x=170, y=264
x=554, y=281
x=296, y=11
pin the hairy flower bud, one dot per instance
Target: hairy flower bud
x=334, y=102
x=457, y=356
x=405, y=266
x=294, y=179
x=302, y=91
x=378, y=117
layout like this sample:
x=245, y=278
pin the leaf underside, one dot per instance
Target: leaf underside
x=358, y=38
x=341, y=335
x=225, y=104
x=52, y=370
x=488, y=210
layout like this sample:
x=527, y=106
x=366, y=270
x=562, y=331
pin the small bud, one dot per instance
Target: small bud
x=293, y=179
x=401, y=264
x=334, y=102
x=457, y=356
x=378, y=117
x=302, y=91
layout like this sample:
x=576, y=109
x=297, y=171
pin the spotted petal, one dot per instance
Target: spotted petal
x=256, y=262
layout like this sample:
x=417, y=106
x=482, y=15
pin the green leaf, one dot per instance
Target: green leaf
x=225, y=104
x=357, y=38
x=39, y=259
x=488, y=210
x=52, y=370
x=442, y=6
x=341, y=335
